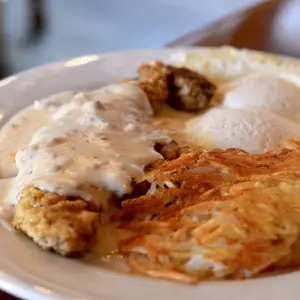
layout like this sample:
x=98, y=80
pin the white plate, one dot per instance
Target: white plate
x=30, y=273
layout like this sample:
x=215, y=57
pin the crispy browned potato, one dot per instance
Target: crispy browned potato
x=236, y=236
x=292, y=260
x=235, y=213
x=169, y=152
x=56, y=223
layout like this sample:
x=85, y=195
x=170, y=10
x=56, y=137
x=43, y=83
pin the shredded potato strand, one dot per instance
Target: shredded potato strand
x=218, y=214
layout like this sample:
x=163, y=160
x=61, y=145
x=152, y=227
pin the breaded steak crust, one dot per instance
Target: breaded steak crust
x=54, y=222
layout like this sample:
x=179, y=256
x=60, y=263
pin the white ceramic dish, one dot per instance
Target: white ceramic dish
x=30, y=273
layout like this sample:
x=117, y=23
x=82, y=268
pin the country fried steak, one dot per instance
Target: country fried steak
x=58, y=223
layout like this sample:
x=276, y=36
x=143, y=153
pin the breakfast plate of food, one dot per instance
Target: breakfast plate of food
x=154, y=174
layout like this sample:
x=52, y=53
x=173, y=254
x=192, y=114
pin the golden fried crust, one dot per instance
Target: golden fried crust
x=181, y=88
x=153, y=81
x=239, y=212
x=292, y=260
x=169, y=151
x=189, y=91
x=56, y=223
x=241, y=235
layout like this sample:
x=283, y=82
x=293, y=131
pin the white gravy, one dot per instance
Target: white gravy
x=87, y=144
x=16, y=134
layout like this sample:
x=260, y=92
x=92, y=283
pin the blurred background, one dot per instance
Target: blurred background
x=35, y=32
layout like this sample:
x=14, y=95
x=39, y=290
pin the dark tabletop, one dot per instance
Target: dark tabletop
x=4, y=296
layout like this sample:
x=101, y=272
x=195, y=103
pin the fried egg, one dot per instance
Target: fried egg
x=256, y=113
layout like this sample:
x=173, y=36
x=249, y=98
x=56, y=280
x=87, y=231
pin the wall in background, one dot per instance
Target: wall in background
x=80, y=27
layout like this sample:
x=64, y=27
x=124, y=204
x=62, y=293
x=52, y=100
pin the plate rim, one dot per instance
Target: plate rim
x=22, y=287
x=10, y=284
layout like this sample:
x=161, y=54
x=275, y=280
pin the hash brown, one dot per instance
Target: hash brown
x=240, y=214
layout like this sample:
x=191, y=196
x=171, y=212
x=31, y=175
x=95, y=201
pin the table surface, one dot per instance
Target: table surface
x=4, y=296
x=269, y=26
x=109, y=25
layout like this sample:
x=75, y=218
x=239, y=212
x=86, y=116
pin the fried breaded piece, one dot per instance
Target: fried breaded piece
x=55, y=222
x=189, y=91
x=153, y=81
x=181, y=88
x=169, y=151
